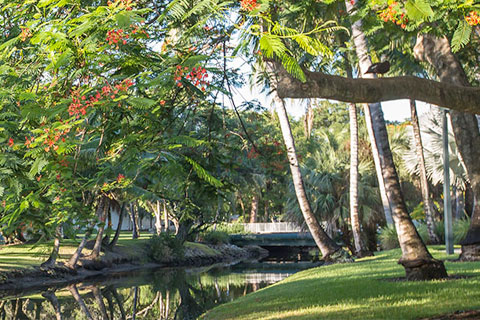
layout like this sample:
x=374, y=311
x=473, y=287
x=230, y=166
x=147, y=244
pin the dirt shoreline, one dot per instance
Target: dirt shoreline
x=17, y=281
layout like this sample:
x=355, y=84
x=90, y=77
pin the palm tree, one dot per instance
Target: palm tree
x=326, y=245
x=417, y=261
x=427, y=201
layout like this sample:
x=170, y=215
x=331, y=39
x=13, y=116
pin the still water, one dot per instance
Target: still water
x=155, y=294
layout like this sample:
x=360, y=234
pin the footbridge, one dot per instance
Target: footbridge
x=273, y=234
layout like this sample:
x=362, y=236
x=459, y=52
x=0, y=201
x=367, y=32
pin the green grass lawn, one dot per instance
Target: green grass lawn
x=360, y=290
x=29, y=255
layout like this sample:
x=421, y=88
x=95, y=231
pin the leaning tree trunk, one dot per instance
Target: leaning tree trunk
x=360, y=249
x=52, y=260
x=437, y=52
x=52, y=298
x=72, y=263
x=254, y=209
x=104, y=207
x=76, y=295
x=329, y=249
x=427, y=201
x=114, y=241
x=417, y=261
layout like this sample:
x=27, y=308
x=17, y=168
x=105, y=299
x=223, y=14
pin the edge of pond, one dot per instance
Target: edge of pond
x=18, y=281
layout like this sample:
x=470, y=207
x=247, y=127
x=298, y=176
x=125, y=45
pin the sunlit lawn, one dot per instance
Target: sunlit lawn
x=29, y=255
x=361, y=290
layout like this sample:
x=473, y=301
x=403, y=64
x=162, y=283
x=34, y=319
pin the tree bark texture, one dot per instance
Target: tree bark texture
x=437, y=52
x=417, y=261
x=360, y=249
x=72, y=263
x=427, y=201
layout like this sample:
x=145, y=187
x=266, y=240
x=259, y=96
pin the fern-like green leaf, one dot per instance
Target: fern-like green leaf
x=292, y=67
x=203, y=174
x=461, y=36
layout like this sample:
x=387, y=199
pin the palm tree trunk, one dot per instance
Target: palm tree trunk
x=427, y=201
x=327, y=246
x=134, y=218
x=417, y=261
x=254, y=209
x=360, y=250
x=165, y=216
x=437, y=52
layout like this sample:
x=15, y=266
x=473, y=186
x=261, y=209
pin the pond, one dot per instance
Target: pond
x=167, y=293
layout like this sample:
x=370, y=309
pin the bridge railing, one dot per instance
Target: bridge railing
x=272, y=227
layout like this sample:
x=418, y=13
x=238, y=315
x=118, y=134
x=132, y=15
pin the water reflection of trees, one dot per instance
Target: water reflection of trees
x=164, y=295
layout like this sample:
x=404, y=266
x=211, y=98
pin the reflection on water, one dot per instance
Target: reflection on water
x=159, y=294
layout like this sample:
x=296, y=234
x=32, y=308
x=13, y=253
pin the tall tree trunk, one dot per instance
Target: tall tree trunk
x=165, y=216
x=134, y=218
x=52, y=260
x=254, y=209
x=360, y=249
x=158, y=218
x=427, y=201
x=329, y=249
x=114, y=241
x=103, y=208
x=459, y=204
x=309, y=117
x=437, y=52
x=417, y=261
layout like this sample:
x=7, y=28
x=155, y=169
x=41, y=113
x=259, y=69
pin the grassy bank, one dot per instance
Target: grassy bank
x=24, y=256
x=365, y=289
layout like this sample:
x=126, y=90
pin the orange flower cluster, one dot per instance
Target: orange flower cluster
x=10, y=142
x=248, y=5
x=392, y=13
x=52, y=138
x=80, y=104
x=25, y=34
x=473, y=19
x=117, y=36
x=197, y=76
x=120, y=178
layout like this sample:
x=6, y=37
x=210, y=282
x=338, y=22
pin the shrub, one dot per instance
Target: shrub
x=216, y=237
x=231, y=228
x=165, y=248
x=388, y=237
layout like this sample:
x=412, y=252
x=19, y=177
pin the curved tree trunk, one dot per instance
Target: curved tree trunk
x=360, y=249
x=114, y=241
x=330, y=250
x=417, y=261
x=103, y=208
x=52, y=298
x=52, y=260
x=437, y=52
x=72, y=263
x=76, y=295
x=427, y=201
